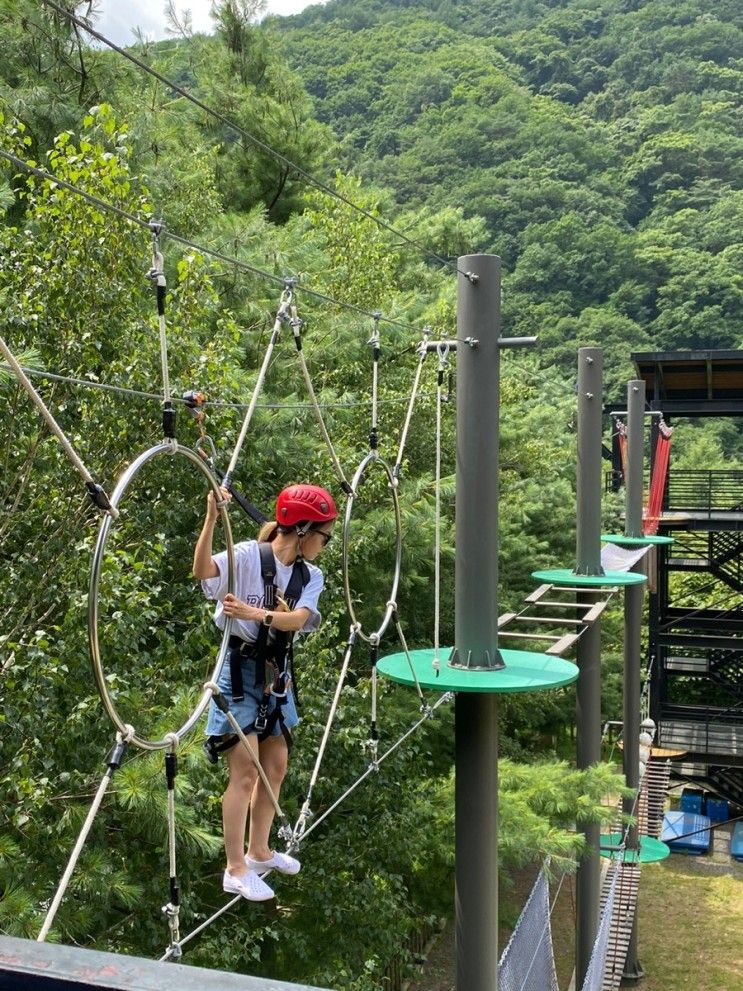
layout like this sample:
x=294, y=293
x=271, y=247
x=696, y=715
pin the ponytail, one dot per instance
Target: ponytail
x=268, y=531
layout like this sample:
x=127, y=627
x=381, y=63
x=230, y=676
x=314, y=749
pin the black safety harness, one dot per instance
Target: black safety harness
x=273, y=654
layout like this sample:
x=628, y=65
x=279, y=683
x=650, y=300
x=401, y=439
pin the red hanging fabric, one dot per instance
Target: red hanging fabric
x=622, y=444
x=658, y=479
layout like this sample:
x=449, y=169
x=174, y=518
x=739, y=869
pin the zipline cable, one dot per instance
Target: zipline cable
x=446, y=697
x=404, y=645
x=372, y=458
x=306, y=810
x=256, y=142
x=95, y=491
x=443, y=355
x=422, y=352
x=296, y=325
x=282, y=314
x=211, y=403
x=114, y=762
x=210, y=252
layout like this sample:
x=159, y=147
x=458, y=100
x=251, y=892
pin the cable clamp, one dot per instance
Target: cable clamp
x=100, y=499
x=426, y=710
x=285, y=832
x=287, y=295
x=194, y=399
x=471, y=277
x=299, y=830
x=157, y=271
x=174, y=951
x=374, y=339
x=372, y=748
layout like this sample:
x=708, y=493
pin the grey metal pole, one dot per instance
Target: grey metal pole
x=476, y=629
x=588, y=702
x=478, y=419
x=635, y=459
x=633, y=602
x=588, y=531
x=588, y=752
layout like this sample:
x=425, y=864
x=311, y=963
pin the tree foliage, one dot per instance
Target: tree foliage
x=581, y=136
x=516, y=128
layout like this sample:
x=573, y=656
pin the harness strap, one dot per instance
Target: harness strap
x=277, y=649
x=216, y=745
x=239, y=649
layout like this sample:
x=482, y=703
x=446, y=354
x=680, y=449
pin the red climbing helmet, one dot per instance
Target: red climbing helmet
x=298, y=503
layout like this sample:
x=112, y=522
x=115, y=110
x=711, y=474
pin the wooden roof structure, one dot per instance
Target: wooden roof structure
x=693, y=383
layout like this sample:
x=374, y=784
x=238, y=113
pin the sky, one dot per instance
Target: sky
x=118, y=17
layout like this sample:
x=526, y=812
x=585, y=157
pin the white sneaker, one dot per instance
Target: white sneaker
x=280, y=862
x=249, y=885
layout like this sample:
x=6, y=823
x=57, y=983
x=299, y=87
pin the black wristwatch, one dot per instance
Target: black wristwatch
x=268, y=619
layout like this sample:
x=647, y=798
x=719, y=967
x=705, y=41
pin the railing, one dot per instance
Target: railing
x=704, y=491
x=417, y=945
x=703, y=729
x=695, y=490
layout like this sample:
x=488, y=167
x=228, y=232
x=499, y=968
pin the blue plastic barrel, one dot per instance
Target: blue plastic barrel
x=717, y=809
x=686, y=832
x=692, y=800
x=736, y=842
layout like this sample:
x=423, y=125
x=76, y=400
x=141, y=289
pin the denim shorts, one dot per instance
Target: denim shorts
x=246, y=711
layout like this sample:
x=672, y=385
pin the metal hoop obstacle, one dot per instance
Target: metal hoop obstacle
x=169, y=448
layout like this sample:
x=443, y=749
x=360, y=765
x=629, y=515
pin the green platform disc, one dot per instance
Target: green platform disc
x=651, y=850
x=622, y=541
x=525, y=671
x=561, y=576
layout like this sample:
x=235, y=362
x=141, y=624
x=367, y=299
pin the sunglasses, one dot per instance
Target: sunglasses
x=326, y=537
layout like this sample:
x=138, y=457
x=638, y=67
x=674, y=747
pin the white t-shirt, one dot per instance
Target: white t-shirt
x=249, y=588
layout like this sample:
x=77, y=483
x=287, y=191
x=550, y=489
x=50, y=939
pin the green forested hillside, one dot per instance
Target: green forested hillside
x=516, y=128
x=602, y=145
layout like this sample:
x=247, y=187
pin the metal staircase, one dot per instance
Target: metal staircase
x=696, y=631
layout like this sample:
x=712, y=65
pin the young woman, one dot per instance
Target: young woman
x=254, y=680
